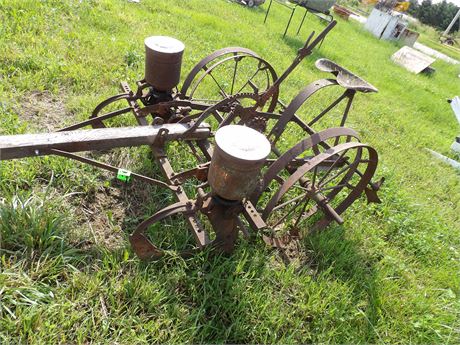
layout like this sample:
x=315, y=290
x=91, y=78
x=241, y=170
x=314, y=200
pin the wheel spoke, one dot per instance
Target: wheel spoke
x=306, y=202
x=320, y=183
x=316, y=150
x=218, y=85
x=278, y=179
x=337, y=187
x=250, y=79
x=350, y=166
x=218, y=116
x=288, y=202
x=315, y=172
x=286, y=215
x=231, y=70
x=341, y=171
x=234, y=75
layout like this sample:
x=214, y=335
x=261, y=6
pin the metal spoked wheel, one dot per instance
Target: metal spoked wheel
x=308, y=107
x=112, y=108
x=312, y=177
x=168, y=229
x=228, y=72
x=108, y=113
x=237, y=109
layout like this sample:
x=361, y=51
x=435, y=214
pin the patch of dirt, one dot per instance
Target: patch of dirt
x=43, y=111
x=102, y=213
x=108, y=214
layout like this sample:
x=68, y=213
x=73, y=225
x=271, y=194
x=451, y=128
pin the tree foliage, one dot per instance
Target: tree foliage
x=438, y=15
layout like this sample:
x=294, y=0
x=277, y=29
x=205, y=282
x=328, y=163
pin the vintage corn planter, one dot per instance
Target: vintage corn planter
x=229, y=117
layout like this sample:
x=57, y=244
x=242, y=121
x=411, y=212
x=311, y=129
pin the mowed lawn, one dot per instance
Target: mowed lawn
x=389, y=274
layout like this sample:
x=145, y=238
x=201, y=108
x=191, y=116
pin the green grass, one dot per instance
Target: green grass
x=388, y=275
x=433, y=42
x=430, y=37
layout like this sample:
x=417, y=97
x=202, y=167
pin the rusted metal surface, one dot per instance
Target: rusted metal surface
x=235, y=185
x=139, y=241
x=163, y=61
x=343, y=12
x=232, y=59
x=289, y=156
x=313, y=190
x=239, y=155
x=223, y=217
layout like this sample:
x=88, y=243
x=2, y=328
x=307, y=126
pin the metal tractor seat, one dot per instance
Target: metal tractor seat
x=345, y=78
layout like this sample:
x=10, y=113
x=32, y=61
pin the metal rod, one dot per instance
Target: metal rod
x=289, y=22
x=110, y=168
x=96, y=119
x=303, y=52
x=301, y=23
x=328, y=109
x=268, y=10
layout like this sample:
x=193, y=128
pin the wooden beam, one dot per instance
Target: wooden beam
x=27, y=145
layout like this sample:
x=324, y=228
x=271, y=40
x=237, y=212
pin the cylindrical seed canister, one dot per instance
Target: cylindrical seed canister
x=239, y=154
x=163, y=59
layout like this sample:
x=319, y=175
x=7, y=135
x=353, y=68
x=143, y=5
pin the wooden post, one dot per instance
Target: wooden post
x=27, y=145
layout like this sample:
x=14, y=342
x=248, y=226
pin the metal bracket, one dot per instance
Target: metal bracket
x=161, y=138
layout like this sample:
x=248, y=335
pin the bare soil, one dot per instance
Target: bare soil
x=102, y=213
x=43, y=111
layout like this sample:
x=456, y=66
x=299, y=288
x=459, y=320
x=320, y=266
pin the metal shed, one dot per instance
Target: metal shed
x=386, y=25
